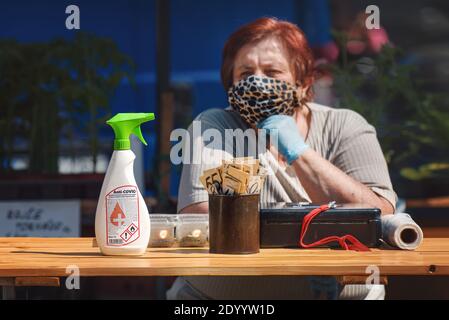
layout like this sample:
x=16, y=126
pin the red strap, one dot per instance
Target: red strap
x=353, y=242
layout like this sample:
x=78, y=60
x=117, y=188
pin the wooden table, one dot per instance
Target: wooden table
x=42, y=261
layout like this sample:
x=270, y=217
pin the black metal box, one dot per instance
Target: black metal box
x=280, y=224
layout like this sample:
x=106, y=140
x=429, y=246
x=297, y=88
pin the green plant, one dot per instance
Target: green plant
x=51, y=91
x=412, y=124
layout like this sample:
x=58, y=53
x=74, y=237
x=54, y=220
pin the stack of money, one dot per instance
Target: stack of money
x=235, y=177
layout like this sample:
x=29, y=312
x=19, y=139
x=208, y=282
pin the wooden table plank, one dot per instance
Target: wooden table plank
x=44, y=257
x=37, y=282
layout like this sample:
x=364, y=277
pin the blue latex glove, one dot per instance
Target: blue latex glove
x=290, y=143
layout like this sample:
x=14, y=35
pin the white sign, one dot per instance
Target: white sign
x=59, y=218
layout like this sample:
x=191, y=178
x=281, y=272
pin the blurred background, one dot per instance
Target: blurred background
x=58, y=86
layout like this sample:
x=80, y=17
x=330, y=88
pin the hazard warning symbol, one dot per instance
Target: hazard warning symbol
x=125, y=235
x=132, y=228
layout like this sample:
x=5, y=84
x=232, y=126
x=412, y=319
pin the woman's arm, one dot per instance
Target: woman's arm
x=358, y=164
x=324, y=182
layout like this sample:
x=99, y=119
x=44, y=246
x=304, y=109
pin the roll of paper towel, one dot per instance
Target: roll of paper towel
x=399, y=230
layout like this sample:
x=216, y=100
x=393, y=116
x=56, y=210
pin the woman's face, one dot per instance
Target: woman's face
x=267, y=58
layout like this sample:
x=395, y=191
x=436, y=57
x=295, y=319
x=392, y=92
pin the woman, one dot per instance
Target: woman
x=322, y=154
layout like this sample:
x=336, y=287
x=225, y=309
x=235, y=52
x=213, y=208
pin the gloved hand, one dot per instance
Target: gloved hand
x=290, y=143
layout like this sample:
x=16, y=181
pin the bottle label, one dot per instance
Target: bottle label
x=122, y=216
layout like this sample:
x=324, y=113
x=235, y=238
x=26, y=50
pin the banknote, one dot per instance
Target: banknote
x=235, y=181
x=212, y=181
x=236, y=176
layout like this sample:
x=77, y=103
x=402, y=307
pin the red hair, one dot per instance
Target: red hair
x=288, y=33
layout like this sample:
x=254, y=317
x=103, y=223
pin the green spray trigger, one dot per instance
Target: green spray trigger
x=138, y=133
x=125, y=124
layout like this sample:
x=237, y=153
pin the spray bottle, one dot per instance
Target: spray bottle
x=122, y=223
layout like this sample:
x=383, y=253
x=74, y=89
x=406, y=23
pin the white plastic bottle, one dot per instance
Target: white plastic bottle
x=122, y=222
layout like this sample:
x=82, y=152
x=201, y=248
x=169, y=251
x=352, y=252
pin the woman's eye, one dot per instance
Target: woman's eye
x=245, y=74
x=271, y=73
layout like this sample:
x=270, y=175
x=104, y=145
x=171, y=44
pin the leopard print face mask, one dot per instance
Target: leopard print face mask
x=256, y=98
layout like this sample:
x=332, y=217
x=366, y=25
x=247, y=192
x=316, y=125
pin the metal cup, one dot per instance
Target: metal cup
x=234, y=224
